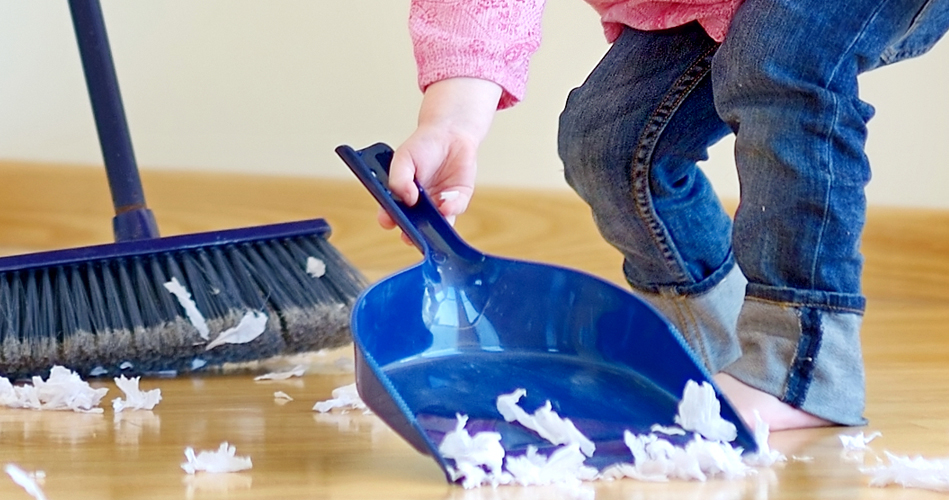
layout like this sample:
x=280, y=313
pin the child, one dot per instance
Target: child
x=770, y=302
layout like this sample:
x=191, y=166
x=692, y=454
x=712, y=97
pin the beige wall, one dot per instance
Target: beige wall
x=274, y=86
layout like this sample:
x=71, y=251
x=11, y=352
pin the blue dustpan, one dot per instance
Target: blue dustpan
x=452, y=333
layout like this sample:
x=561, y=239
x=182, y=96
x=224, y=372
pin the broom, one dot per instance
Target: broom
x=146, y=304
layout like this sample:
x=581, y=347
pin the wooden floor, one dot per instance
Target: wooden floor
x=298, y=453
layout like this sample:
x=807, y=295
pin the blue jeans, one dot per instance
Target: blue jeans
x=773, y=296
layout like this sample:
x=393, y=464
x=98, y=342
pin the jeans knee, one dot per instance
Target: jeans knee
x=597, y=166
x=579, y=147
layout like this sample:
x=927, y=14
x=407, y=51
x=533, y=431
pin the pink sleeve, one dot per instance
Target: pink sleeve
x=488, y=39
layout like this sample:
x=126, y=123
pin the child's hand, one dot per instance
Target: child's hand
x=442, y=152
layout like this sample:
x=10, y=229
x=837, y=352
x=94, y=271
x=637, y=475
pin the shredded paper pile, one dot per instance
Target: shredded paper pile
x=480, y=459
x=63, y=390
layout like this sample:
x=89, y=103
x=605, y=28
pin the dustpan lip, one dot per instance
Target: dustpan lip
x=365, y=358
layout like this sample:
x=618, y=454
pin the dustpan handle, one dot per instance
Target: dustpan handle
x=133, y=220
x=422, y=222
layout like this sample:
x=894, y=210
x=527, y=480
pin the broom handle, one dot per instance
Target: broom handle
x=133, y=220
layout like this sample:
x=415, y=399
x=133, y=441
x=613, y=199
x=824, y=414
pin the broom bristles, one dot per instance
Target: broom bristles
x=114, y=315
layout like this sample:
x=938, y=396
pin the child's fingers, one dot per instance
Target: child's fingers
x=387, y=223
x=450, y=204
x=384, y=219
x=402, y=172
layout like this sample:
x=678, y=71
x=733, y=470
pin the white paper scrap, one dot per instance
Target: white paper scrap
x=135, y=398
x=191, y=309
x=658, y=460
x=249, y=328
x=63, y=390
x=669, y=430
x=282, y=396
x=222, y=460
x=345, y=398
x=9, y=396
x=652, y=459
x=296, y=371
x=718, y=459
x=563, y=466
x=918, y=472
x=315, y=267
x=700, y=411
x=857, y=442
x=544, y=421
x=25, y=480
x=478, y=459
x=706, y=455
x=448, y=195
x=765, y=457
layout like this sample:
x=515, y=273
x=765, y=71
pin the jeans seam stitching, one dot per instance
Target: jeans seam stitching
x=828, y=157
x=860, y=34
x=828, y=162
x=642, y=157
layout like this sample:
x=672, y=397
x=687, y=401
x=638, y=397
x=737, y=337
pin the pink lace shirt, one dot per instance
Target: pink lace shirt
x=494, y=39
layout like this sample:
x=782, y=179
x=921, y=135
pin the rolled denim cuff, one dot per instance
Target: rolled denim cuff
x=830, y=301
x=684, y=289
x=707, y=319
x=808, y=357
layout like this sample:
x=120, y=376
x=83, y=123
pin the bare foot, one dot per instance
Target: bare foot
x=778, y=415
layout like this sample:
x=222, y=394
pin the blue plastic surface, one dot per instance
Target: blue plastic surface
x=451, y=334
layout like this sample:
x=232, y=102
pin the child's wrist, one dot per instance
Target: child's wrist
x=465, y=104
